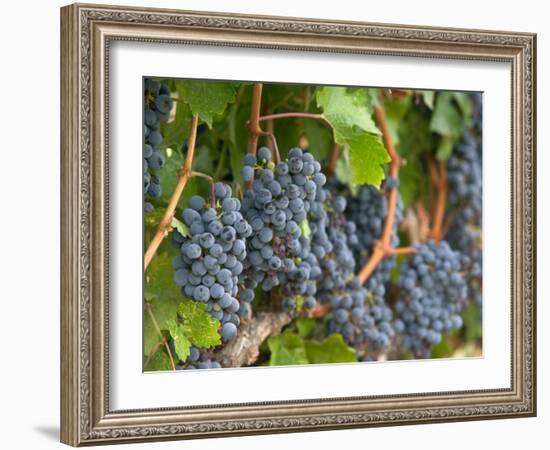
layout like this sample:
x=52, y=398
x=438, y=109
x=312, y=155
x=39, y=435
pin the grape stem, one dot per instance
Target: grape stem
x=165, y=225
x=254, y=129
x=401, y=251
x=163, y=340
x=211, y=184
x=294, y=114
x=271, y=117
x=382, y=247
x=438, y=177
x=274, y=143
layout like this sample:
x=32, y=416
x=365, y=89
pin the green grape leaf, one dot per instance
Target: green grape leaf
x=305, y=229
x=288, y=133
x=351, y=120
x=181, y=227
x=162, y=296
x=428, y=97
x=153, y=218
x=169, y=175
x=236, y=133
x=367, y=155
x=287, y=349
x=472, y=322
x=198, y=325
x=395, y=109
x=181, y=342
x=331, y=350
x=151, y=222
x=343, y=170
x=159, y=286
x=319, y=139
x=299, y=301
x=446, y=118
x=443, y=349
x=206, y=98
x=158, y=361
x=345, y=110
x=413, y=183
x=366, y=96
x=150, y=335
x=305, y=326
x=465, y=104
x=176, y=130
x=414, y=134
x=445, y=148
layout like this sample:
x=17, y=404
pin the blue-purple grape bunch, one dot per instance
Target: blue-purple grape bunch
x=212, y=257
x=158, y=104
x=197, y=359
x=433, y=293
x=368, y=210
x=358, y=313
x=276, y=206
x=464, y=214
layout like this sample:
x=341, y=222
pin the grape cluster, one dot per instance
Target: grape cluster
x=465, y=199
x=276, y=206
x=464, y=178
x=212, y=258
x=158, y=104
x=368, y=210
x=197, y=359
x=360, y=313
x=433, y=293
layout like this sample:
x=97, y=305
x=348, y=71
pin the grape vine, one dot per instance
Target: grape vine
x=297, y=254
x=158, y=104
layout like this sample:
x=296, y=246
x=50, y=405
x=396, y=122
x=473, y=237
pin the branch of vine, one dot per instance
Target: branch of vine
x=333, y=159
x=438, y=178
x=383, y=248
x=253, y=125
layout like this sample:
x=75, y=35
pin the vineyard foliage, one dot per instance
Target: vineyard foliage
x=351, y=215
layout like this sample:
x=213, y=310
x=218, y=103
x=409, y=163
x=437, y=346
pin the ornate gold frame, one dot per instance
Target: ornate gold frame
x=86, y=31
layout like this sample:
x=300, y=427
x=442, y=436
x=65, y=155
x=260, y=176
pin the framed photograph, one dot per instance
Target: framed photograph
x=278, y=225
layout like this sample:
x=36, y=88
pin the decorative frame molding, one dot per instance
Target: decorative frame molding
x=86, y=31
